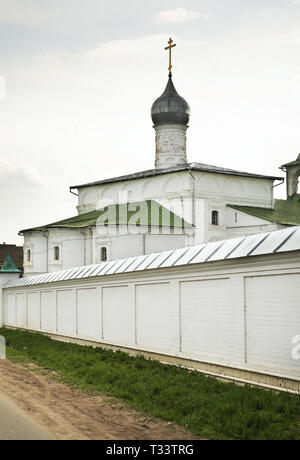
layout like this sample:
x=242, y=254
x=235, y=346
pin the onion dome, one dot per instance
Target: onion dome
x=170, y=108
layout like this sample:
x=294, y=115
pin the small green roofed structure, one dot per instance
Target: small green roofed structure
x=285, y=212
x=9, y=266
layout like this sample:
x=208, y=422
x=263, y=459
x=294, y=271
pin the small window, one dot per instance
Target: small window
x=103, y=254
x=236, y=217
x=56, y=253
x=215, y=218
x=28, y=255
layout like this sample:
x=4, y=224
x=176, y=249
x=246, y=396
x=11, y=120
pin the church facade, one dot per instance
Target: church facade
x=177, y=204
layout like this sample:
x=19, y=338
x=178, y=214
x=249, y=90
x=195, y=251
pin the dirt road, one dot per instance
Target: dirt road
x=69, y=415
x=15, y=424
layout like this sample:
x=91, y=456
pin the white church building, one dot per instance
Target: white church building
x=175, y=205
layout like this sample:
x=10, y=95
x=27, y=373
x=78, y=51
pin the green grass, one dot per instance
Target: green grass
x=204, y=405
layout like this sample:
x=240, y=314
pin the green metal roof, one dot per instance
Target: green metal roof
x=149, y=213
x=9, y=266
x=285, y=212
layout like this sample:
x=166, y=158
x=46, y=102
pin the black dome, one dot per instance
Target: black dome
x=170, y=107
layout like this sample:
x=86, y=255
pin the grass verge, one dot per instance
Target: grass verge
x=204, y=405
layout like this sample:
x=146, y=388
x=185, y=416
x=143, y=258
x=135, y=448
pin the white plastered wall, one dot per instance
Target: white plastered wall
x=191, y=195
x=239, y=314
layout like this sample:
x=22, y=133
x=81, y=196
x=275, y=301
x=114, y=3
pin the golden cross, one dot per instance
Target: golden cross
x=170, y=54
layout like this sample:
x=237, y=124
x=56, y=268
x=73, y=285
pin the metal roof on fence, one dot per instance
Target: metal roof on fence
x=254, y=245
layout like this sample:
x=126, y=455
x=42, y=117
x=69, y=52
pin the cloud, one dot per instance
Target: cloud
x=179, y=15
x=148, y=49
x=124, y=49
x=18, y=176
x=30, y=14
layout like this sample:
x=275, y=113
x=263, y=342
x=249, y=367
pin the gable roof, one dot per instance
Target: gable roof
x=9, y=266
x=185, y=167
x=285, y=212
x=150, y=213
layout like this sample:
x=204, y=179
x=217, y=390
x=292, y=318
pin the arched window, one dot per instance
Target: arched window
x=103, y=254
x=56, y=253
x=215, y=218
x=28, y=255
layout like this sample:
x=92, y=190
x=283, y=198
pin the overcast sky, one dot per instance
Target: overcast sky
x=78, y=77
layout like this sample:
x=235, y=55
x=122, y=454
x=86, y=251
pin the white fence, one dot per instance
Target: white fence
x=232, y=317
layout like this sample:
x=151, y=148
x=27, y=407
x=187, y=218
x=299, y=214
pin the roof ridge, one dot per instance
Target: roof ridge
x=185, y=167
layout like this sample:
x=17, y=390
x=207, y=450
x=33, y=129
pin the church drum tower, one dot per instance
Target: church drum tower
x=170, y=115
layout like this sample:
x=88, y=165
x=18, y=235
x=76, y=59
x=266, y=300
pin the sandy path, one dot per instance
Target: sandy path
x=16, y=424
x=69, y=414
